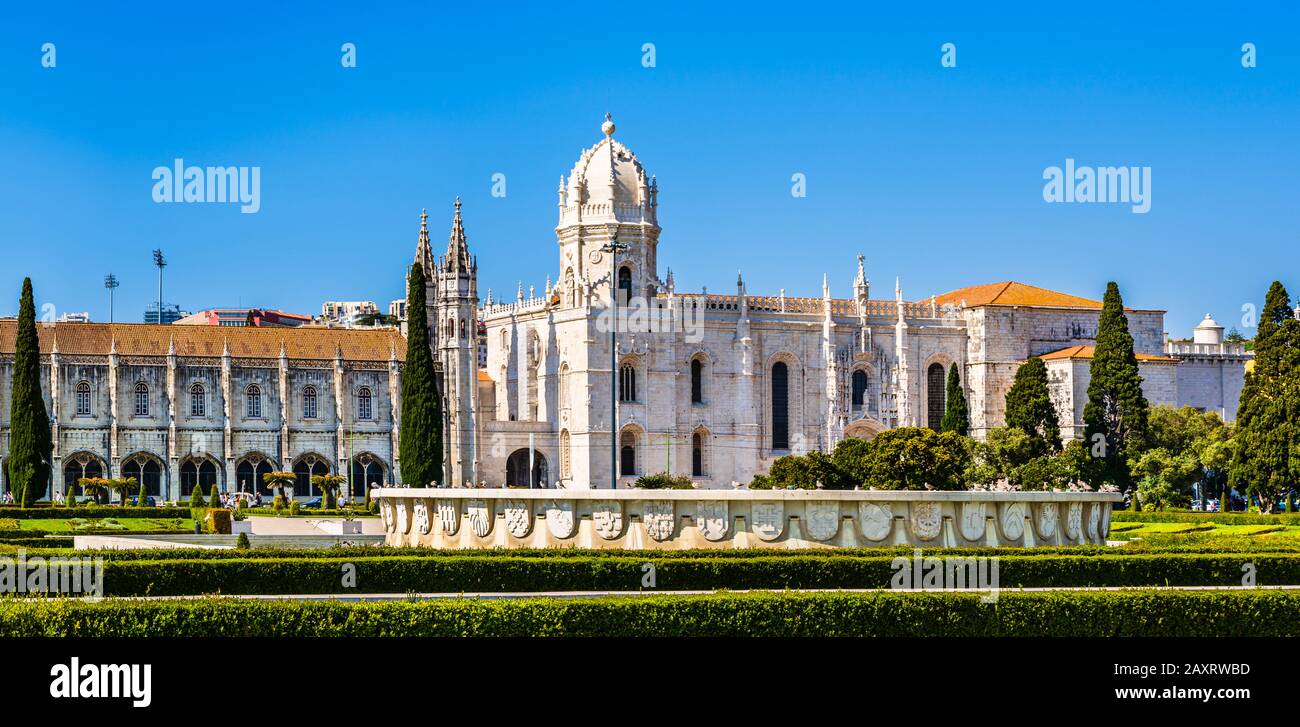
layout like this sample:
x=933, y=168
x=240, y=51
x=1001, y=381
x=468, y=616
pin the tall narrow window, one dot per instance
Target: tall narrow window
x=859, y=389
x=627, y=383
x=565, y=472
x=363, y=404
x=254, y=409
x=934, y=383
x=142, y=399
x=697, y=381
x=564, y=386
x=309, y=402
x=198, y=401
x=627, y=454
x=697, y=454
x=83, y=399
x=780, y=406
x=624, y=285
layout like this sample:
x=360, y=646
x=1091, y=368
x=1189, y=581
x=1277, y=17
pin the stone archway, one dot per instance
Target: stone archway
x=517, y=473
x=866, y=428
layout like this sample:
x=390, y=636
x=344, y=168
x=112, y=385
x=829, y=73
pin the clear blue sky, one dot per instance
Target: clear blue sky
x=934, y=174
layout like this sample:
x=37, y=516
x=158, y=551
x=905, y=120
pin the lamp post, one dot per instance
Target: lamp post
x=613, y=247
x=110, y=282
x=160, y=263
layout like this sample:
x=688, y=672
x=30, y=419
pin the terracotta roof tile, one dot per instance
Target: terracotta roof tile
x=1085, y=352
x=142, y=339
x=1013, y=293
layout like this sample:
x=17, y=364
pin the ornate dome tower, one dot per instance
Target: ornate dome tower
x=607, y=197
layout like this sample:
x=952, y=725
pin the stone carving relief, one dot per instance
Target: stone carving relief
x=479, y=514
x=769, y=519
x=423, y=519
x=1013, y=520
x=519, y=517
x=927, y=520
x=875, y=519
x=711, y=518
x=1046, y=518
x=390, y=521
x=449, y=516
x=607, y=517
x=1094, y=518
x=973, y=516
x=822, y=519
x=1074, y=521
x=404, y=517
x=659, y=519
x=559, y=518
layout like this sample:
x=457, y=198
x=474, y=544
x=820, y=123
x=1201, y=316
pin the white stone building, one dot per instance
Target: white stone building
x=717, y=386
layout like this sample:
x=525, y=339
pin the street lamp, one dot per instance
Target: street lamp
x=110, y=282
x=160, y=263
x=613, y=247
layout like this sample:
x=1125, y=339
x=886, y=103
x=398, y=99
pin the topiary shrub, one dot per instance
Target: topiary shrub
x=214, y=500
x=664, y=481
x=241, y=543
x=196, y=496
x=294, y=507
x=278, y=503
x=217, y=520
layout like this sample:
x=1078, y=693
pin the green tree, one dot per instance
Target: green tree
x=1029, y=407
x=278, y=481
x=421, y=416
x=214, y=498
x=30, y=444
x=916, y=458
x=1115, y=417
x=956, y=417
x=197, y=497
x=1266, y=454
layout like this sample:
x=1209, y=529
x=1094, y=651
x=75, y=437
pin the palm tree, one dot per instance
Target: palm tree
x=123, y=486
x=93, y=487
x=279, y=480
x=329, y=484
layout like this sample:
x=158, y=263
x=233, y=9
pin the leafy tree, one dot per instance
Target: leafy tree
x=329, y=485
x=803, y=472
x=421, y=416
x=197, y=497
x=1266, y=455
x=916, y=458
x=1165, y=478
x=1189, y=447
x=1029, y=407
x=956, y=417
x=30, y=444
x=1234, y=336
x=279, y=481
x=1115, y=417
x=664, y=481
x=214, y=498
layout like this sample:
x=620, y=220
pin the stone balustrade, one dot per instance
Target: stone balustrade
x=780, y=519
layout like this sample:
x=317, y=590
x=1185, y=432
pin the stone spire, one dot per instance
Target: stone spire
x=861, y=287
x=458, y=260
x=423, y=251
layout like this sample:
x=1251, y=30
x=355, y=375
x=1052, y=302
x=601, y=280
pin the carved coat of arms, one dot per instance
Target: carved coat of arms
x=927, y=519
x=607, y=517
x=404, y=516
x=659, y=519
x=559, y=518
x=479, y=514
x=1074, y=521
x=1094, y=519
x=972, y=520
x=449, y=516
x=769, y=519
x=390, y=521
x=423, y=519
x=1013, y=520
x=711, y=518
x=822, y=519
x=519, y=517
x=875, y=519
x=1046, y=519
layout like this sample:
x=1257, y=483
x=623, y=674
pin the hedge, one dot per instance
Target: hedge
x=64, y=513
x=1221, y=518
x=1091, y=614
x=459, y=574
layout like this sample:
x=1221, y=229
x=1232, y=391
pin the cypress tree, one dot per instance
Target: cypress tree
x=196, y=496
x=956, y=416
x=1266, y=447
x=214, y=499
x=421, y=417
x=30, y=443
x=1029, y=407
x=1115, y=417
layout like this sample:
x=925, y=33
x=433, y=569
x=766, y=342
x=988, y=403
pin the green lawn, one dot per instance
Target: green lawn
x=71, y=525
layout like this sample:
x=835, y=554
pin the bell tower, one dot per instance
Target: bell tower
x=456, y=348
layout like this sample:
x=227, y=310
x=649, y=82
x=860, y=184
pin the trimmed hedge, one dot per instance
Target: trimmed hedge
x=65, y=513
x=1221, y=518
x=459, y=574
x=1133, y=613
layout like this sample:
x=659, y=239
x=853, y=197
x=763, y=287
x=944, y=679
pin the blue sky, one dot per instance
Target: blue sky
x=934, y=174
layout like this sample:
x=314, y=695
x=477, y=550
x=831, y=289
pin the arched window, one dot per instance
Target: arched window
x=624, y=285
x=248, y=475
x=198, y=401
x=697, y=381
x=142, y=399
x=202, y=473
x=780, y=406
x=254, y=399
x=81, y=466
x=627, y=454
x=147, y=473
x=934, y=383
x=367, y=472
x=564, y=386
x=697, y=455
x=83, y=399
x=306, y=468
x=309, y=402
x=627, y=382
x=364, y=410
x=859, y=389
x=565, y=471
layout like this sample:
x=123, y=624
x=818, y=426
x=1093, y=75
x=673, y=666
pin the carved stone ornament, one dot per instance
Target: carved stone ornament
x=607, y=517
x=973, y=519
x=1074, y=521
x=1013, y=520
x=479, y=514
x=711, y=518
x=1094, y=519
x=519, y=517
x=449, y=516
x=822, y=519
x=769, y=519
x=1045, y=519
x=927, y=520
x=390, y=520
x=403, y=516
x=559, y=518
x=875, y=519
x=659, y=519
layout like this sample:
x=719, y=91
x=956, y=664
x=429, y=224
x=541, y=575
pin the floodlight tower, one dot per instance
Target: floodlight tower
x=161, y=263
x=110, y=282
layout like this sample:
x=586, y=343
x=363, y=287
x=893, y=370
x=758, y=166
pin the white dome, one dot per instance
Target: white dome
x=1208, y=331
x=608, y=173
